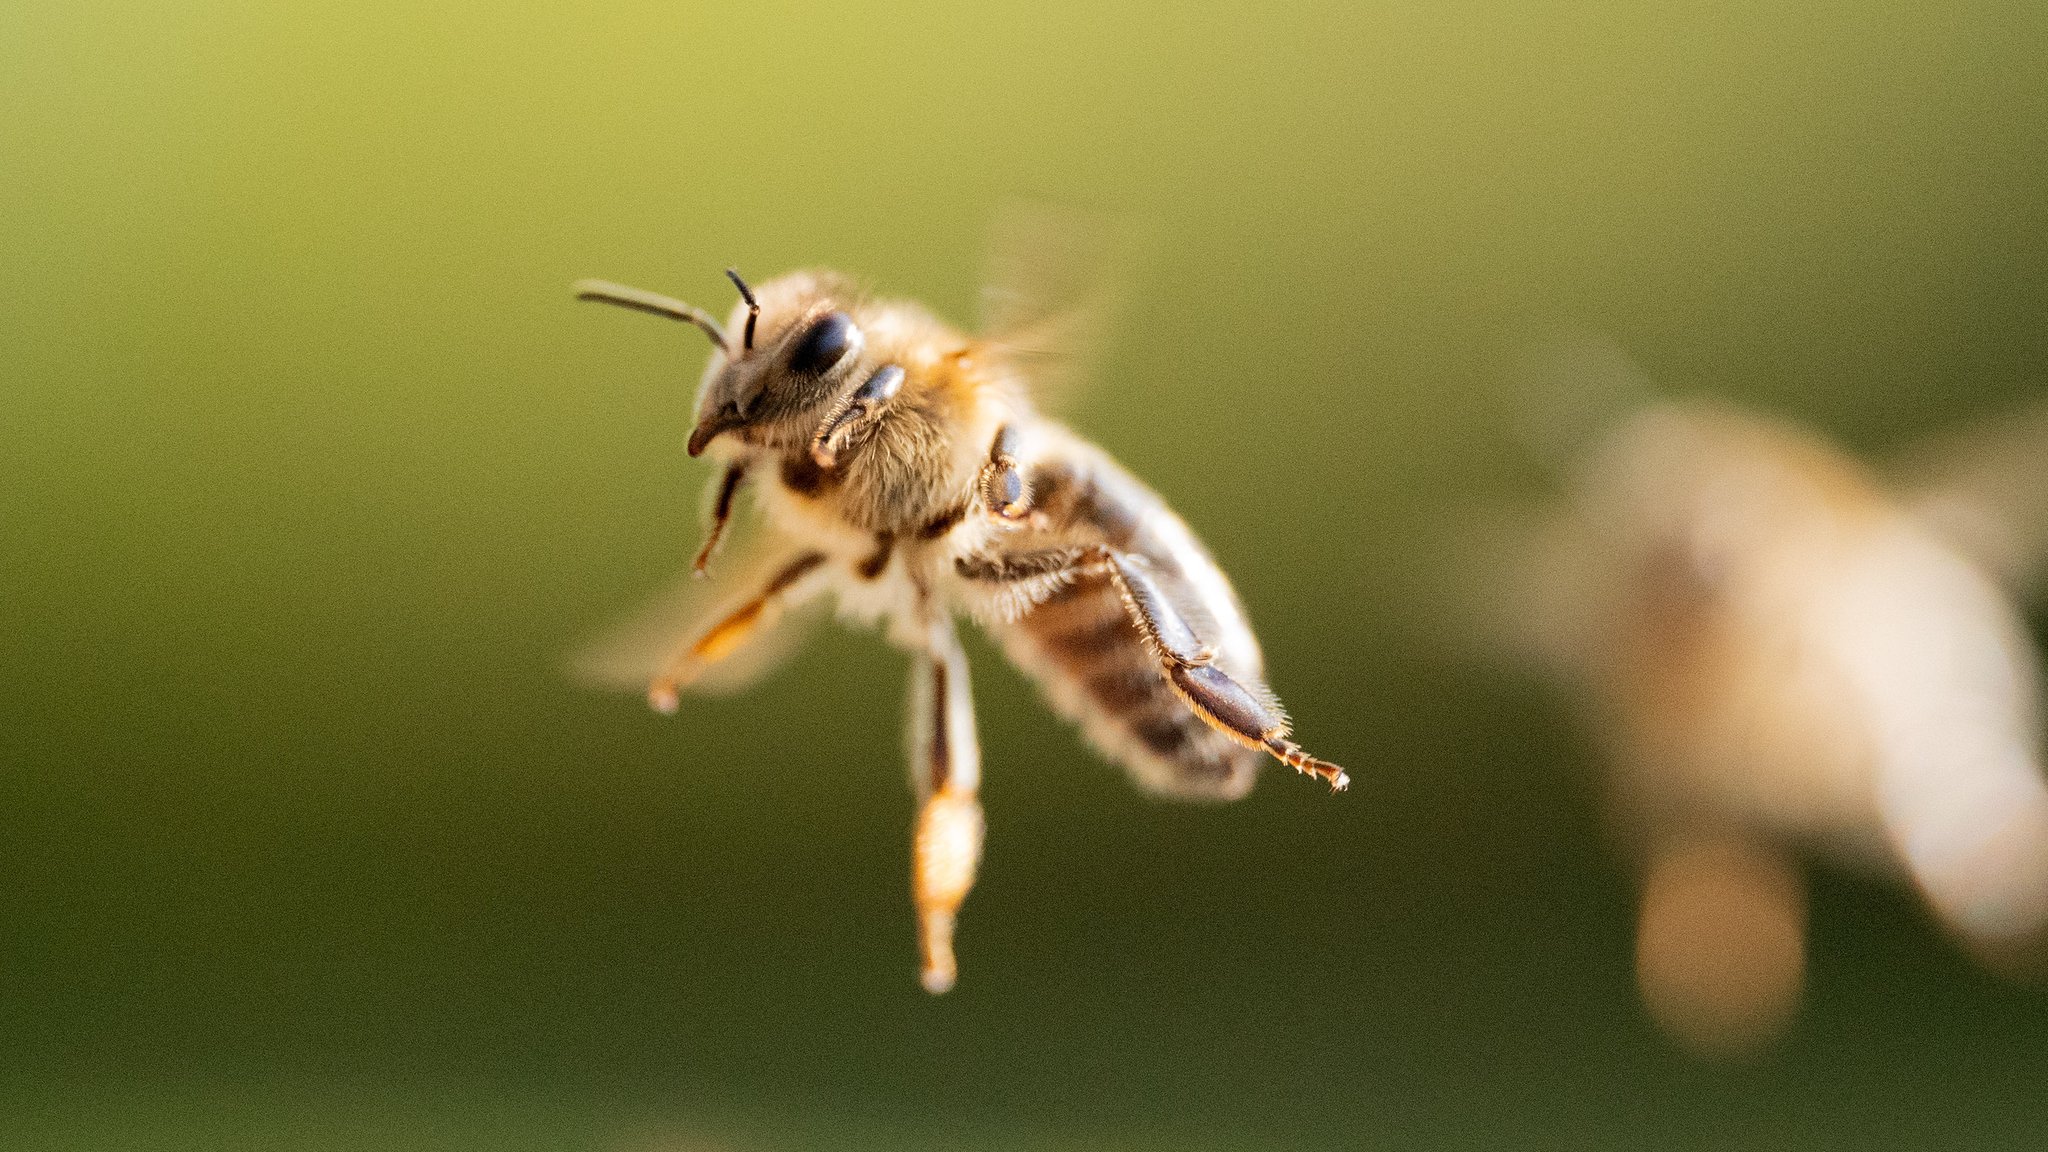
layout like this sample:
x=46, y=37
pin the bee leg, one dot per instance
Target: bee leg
x=1232, y=709
x=1019, y=567
x=871, y=567
x=1165, y=630
x=853, y=413
x=1223, y=703
x=1161, y=625
x=721, y=512
x=1004, y=492
x=725, y=636
x=945, y=768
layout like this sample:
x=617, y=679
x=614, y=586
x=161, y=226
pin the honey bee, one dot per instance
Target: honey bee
x=901, y=465
x=1787, y=655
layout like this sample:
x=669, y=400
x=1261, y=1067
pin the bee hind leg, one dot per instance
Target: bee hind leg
x=1188, y=664
x=945, y=770
x=1232, y=709
x=1221, y=702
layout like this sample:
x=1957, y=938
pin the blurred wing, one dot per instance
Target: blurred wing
x=644, y=645
x=1984, y=489
x=1047, y=294
x=1508, y=586
x=1569, y=389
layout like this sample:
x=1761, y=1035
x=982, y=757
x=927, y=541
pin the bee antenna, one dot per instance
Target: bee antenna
x=753, y=308
x=606, y=292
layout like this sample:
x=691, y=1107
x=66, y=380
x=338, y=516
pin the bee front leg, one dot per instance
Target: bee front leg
x=852, y=415
x=721, y=513
x=945, y=769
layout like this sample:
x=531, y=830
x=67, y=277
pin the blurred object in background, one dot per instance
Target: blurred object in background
x=1985, y=489
x=1781, y=657
x=1721, y=943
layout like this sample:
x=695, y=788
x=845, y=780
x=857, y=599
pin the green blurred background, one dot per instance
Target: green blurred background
x=310, y=471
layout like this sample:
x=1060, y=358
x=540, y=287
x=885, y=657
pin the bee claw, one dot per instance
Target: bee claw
x=1291, y=754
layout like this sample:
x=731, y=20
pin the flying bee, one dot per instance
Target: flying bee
x=1788, y=653
x=901, y=466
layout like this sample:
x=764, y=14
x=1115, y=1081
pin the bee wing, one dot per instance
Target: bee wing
x=1985, y=490
x=646, y=644
x=1508, y=585
x=1569, y=388
x=1526, y=584
x=1048, y=290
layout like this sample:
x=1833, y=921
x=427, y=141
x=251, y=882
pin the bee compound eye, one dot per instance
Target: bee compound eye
x=828, y=340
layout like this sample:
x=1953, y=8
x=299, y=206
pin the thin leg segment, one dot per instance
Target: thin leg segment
x=1164, y=628
x=945, y=768
x=721, y=514
x=1221, y=702
x=871, y=567
x=729, y=632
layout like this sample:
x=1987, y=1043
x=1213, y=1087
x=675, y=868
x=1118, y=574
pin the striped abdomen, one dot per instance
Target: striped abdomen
x=1088, y=656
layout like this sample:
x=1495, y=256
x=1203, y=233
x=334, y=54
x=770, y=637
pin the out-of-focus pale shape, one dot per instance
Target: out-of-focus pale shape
x=1773, y=643
x=1721, y=944
x=1948, y=688
x=1699, y=547
x=1780, y=654
x=1985, y=488
x=1571, y=386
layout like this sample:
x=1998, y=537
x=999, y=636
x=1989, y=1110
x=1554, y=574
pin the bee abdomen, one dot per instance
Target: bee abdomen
x=1094, y=665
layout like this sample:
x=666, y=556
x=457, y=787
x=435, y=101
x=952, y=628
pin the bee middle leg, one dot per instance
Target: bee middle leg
x=730, y=631
x=1186, y=663
x=945, y=769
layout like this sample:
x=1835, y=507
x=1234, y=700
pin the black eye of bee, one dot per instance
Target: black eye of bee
x=824, y=344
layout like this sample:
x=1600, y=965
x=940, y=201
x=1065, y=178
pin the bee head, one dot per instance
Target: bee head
x=796, y=345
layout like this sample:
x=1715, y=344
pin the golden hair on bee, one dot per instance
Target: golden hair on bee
x=901, y=465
